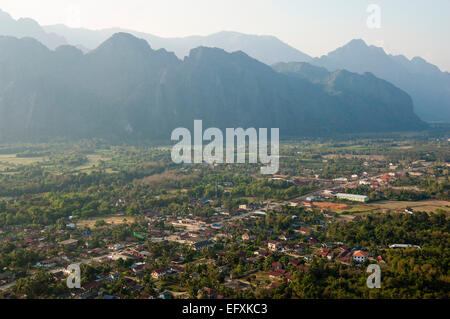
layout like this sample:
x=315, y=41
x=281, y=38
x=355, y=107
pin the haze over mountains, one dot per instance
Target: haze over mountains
x=125, y=88
x=26, y=27
x=267, y=49
x=427, y=85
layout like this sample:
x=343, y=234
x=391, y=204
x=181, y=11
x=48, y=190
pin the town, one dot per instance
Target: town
x=222, y=230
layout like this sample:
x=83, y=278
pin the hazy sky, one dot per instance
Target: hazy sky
x=409, y=27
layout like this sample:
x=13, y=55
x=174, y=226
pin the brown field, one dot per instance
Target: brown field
x=331, y=206
x=115, y=220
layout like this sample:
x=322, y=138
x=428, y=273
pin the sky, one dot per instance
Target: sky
x=316, y=27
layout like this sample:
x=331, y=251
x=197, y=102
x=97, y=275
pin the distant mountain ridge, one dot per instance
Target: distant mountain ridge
x=267, y=49
x=427, y=85
x=124, y=88
x=26, y=27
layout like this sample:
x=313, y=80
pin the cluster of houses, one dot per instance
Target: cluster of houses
x=354, y=179
x=331, y=251
x=195, y=231
x=381, y=180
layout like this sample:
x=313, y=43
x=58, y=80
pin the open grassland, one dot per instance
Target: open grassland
x=395, y=206
x=9, y=160
x=424, y=206
x=93, y=161
x=114, y=220
x=350, y=156
x=172, y=175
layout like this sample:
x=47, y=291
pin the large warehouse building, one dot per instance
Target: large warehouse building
x=353, y=197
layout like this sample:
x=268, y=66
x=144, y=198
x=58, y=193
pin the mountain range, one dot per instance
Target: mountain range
x=427, y=85
x=26, y=27
x=267, y=49
x=124, y=88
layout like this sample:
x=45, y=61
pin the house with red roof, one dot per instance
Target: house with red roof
x=294, y=262
x=324, y=252
x=360, y=256
x=277, y=265
x=91, y=285
x=277, y=273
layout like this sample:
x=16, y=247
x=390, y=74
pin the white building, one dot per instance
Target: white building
x=311, y=198
x=353, y=197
